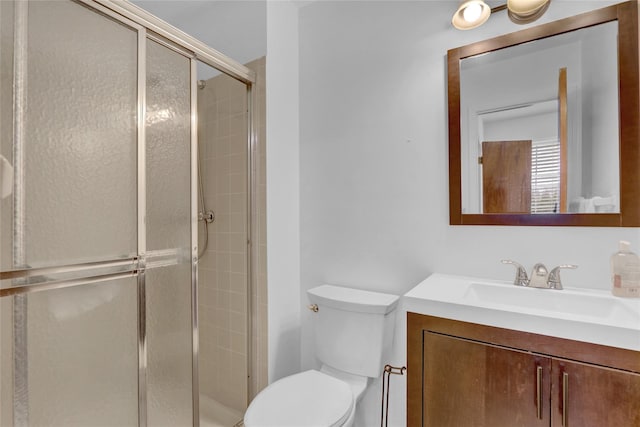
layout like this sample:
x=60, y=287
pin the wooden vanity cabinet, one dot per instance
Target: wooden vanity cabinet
x=467, y=383
x=468, y=375
x=595, y=395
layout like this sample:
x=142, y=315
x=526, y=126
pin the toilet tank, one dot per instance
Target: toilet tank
x=353, y=328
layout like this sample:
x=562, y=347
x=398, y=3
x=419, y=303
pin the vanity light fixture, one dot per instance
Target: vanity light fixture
x=473, y=13
x=525, y=11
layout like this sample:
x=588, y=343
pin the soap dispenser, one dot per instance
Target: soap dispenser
x=625, y=272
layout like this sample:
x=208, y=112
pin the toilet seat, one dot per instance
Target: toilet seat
x=307, y=399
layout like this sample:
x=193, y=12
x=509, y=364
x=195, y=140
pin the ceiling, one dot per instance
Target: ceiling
x=236, y=28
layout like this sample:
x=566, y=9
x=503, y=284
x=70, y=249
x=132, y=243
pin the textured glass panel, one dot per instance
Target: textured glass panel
x=169, y=346
x=6, y=365
x=80, y=136
x=169, y=329
x=168, y=149
x=83, y=355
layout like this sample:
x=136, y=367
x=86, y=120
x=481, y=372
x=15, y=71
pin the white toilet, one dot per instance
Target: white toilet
x=354, y=331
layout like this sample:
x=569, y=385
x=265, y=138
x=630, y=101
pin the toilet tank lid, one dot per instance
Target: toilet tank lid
x=349, y=299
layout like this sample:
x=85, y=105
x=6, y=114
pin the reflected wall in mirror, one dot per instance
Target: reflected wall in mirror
x=543, y=124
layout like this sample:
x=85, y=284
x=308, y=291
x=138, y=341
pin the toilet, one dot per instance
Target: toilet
x=354, y=333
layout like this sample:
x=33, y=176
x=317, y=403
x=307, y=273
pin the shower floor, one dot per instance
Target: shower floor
x=215, y=414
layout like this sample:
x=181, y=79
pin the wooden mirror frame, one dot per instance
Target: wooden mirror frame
x=629, y=108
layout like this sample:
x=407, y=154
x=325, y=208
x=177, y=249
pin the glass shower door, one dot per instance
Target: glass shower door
x=95, y=221
x=73, y=349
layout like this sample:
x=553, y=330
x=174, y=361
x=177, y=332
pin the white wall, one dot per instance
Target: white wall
x=283, y=224
x=600, y=120
x=373, y=164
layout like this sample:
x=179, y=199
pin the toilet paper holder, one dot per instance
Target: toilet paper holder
x=386, y=375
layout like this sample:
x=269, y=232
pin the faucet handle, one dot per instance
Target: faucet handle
x=521, y=274
x=554, y=281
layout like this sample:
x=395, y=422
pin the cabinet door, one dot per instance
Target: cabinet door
x=471, y=384
x=593, y=396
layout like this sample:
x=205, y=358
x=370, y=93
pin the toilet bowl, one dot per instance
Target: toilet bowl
x=353, y=334
x=308, y=399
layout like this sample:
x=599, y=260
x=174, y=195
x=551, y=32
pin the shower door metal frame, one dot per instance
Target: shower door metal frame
x=200, y=50
x=20, y=339
x=142, y=229
x=252, y=247
x=140, y=21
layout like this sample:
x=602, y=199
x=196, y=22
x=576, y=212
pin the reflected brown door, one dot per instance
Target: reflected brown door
x=562, y=113
x=506, y=177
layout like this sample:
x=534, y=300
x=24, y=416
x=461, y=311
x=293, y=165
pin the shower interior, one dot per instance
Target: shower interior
x=224, y=303
x=109, y=313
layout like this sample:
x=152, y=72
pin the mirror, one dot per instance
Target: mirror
x=543, y=124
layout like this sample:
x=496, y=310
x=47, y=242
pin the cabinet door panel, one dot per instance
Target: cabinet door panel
x=470, y=384
x=595, y=396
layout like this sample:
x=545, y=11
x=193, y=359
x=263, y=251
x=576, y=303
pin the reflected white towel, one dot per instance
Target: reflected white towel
x=604, y=204
x=593, y=205
x=589, y=206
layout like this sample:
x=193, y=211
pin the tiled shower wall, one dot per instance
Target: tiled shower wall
x=222, y=116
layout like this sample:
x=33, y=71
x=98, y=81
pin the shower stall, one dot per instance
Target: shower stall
x=100, y=124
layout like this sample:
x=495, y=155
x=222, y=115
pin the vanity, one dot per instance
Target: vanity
x=488, y=353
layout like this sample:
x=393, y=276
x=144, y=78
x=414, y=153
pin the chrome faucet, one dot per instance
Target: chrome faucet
x=540, y=276
x=554, y=276
x=521, y=274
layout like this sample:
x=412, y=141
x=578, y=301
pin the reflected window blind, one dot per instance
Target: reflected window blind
x=545, y=177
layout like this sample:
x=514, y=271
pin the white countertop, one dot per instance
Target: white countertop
x=587, y=315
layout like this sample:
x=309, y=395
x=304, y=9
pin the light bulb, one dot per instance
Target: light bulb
x=472, y=12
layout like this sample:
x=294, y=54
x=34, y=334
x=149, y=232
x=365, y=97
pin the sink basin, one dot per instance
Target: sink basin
x=581, y=314
x=568, y=301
